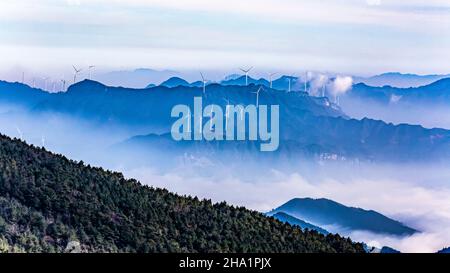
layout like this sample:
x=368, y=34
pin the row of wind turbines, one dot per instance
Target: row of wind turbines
x=246, y=73
x=317, y=89
x=205, y=81
x=62, y=82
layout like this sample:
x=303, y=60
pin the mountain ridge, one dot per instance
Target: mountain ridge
x=284, y=217
x=307, y=123
x=436, y=92
x=401, y=80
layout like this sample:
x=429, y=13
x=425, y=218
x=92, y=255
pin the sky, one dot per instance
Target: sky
x=361, y=37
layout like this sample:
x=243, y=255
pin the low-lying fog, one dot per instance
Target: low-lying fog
x=417, y=195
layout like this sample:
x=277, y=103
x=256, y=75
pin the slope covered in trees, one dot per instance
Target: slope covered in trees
x=48, y=202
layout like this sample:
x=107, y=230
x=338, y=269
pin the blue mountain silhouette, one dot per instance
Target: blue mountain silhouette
x=175, y=82
x=436, y=92
x=400, y=80
x=308, y=125
x=325, y=212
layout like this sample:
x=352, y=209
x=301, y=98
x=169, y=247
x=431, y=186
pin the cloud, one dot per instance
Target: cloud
x=340, y=36
x=341, y=85
x=317, y=82
x=329, y=11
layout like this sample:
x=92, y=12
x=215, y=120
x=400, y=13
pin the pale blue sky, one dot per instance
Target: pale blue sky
x=352, y=36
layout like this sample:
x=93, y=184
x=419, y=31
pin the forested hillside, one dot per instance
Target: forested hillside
x=49, y=203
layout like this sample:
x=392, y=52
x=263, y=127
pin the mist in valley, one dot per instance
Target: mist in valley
x=415, y=194
x=428, y=115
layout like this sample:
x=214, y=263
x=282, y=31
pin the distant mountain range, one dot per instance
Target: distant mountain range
x=178, y=82
x=153, y=106
x=324, y=212
x=392, y=79
x=308, y=125
x=437, y=92
x=281, y=83
x=138, y=78
x=400, y=80
x=145, y=77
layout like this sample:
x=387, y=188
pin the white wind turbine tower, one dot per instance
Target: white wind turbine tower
x=90, y=68
x=257, y=96
x=246, y=71
x=289, y=82
x=271, y=79
x=19, y=132
x=204, y=81
x=43, y=141
x=76, y=73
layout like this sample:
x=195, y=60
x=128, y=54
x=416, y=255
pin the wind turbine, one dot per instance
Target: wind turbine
x=90, y=67
x=33, y=84
x=76, y=73
x=20, y=132
x=257, y=96
x=289, y=80
x=43, y=141
x=246, y=71
x=271, y=78
x=204, y=81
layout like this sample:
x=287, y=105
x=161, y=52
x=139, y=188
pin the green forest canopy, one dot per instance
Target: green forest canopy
x=47, y=201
